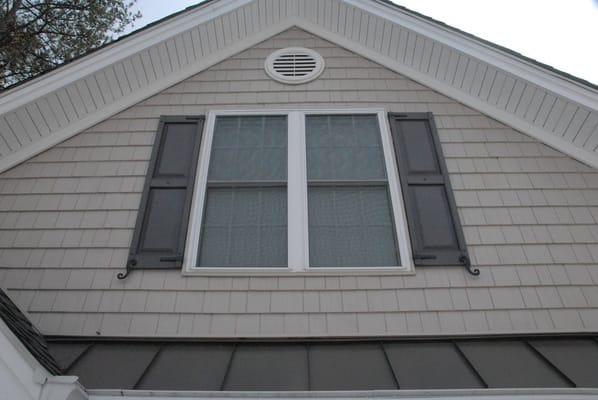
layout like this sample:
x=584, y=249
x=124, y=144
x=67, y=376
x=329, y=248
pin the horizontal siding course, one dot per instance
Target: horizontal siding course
x=530, y=217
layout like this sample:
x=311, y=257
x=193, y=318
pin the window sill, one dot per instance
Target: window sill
x=298, y=273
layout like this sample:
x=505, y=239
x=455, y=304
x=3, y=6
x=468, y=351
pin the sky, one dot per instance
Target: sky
x=561, y=34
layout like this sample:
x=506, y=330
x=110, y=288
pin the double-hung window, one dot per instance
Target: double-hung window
x=299, y=191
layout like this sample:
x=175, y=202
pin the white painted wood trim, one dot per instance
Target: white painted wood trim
x=78, y=69
x=493, y=56
x=396, y=195
x=141, y=94
x=585, y=156
x=111, y=54
x=524, y=70
x=23, y=377
x=445, y=394
x=297, y=201
x=298, y=240
x=199, y=194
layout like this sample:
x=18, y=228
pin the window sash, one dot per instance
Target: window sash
x=297, y=195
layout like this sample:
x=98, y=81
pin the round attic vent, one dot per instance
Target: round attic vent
x=294, y=65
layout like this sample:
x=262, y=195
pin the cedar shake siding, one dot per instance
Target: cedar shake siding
x=529, y=216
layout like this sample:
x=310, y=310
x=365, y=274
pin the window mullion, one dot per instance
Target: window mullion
x=298, y=245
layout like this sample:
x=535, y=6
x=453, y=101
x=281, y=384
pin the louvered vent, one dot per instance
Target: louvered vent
x=294, y=65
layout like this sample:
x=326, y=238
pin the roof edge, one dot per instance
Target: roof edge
x=576, y=89
x=403, y=394
x=563, y=74
x=105, y=45
x=131, y=44
x=467, y=44
x=562, y=145
x=46, y=142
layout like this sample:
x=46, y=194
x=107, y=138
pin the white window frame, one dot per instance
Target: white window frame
x=297, y=223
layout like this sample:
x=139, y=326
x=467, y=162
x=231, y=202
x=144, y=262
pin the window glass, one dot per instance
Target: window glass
x=245, y=217
x=344, y=147
x=349, y=209
x=249, y=148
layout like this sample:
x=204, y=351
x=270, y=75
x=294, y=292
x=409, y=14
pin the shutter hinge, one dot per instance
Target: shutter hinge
x=464, y=259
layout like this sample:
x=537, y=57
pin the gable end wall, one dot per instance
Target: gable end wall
x=530, y=216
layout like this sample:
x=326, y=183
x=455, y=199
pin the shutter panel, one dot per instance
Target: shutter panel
x=161, y=228
x=436, y=234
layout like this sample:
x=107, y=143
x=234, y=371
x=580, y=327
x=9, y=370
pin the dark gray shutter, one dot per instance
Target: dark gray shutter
x=161, y=229
x=436, y=234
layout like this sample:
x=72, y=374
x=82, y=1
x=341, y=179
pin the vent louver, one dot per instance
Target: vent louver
x=294, y=65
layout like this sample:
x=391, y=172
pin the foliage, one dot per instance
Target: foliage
x=38, y=35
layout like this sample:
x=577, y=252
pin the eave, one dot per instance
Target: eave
x=557, y=110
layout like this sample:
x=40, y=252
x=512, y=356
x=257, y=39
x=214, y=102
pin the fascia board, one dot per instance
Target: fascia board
x=507, y=118
x=507, y=62
x=12, y=99
x=139, y=95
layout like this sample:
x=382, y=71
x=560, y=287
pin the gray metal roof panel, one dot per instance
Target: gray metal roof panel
x=328, y=364
x=188, y=366
x=576, y=358
x=431, y=365
x=114, y=365
x=511, y=364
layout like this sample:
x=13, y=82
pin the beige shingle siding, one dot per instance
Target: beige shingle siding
x=530, y=216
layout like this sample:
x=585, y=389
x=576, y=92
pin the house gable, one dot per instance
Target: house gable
x=528, y=214
x=560, y=112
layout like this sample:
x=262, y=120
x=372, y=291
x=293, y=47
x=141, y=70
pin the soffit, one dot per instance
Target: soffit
x=559, y=111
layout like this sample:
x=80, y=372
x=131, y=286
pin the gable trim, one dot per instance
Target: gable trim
x=69, y=73
x=509, y=119
x=96, y=117
x=569, y=124
x=492, y=55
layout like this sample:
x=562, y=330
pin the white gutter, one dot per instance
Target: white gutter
x=450, y=394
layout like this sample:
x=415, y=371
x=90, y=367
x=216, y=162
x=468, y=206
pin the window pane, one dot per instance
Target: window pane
x=344, y=147
x=249, y=148
x=244, y=227
x=351, y=226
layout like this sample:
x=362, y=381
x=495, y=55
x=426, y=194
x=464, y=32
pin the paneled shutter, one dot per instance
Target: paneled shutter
x=436, y=234
x=161, y=228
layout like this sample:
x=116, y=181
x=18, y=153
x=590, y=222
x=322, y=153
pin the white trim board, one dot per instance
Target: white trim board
x=69, y=131
x=509, y=119
x=23, y=377
x=493, y=56
x=580, y=100
x=111, y=54
x=448, y=394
